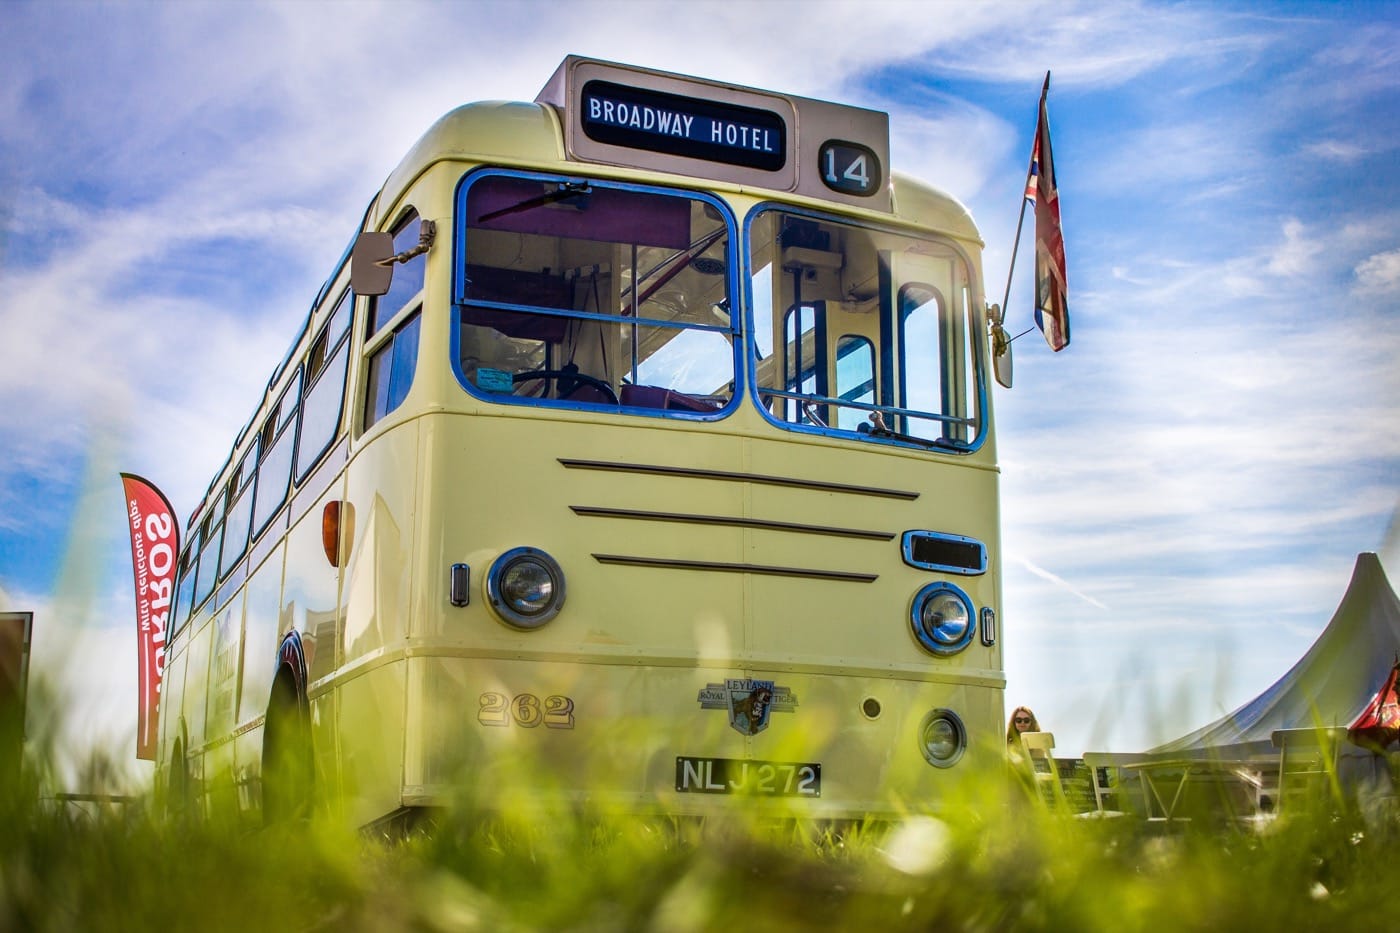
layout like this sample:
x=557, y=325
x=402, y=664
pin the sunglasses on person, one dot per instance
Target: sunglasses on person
x=1025, y=719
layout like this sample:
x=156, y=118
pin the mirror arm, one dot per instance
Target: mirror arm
x=1000, y=343
x=1001, y=346
x=427, y=231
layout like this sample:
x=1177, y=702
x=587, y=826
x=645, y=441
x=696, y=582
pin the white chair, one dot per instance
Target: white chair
x=1039, y=748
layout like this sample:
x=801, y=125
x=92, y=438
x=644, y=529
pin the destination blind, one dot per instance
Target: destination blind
x=656, y=121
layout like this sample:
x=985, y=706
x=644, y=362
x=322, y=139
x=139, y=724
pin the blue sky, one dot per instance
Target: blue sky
x=1185, y=488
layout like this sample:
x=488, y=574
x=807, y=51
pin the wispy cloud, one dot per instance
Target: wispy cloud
x=1104, y=45
x=1060, y=582
x=1334, y=150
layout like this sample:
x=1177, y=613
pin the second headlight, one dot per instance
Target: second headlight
x=941, y=615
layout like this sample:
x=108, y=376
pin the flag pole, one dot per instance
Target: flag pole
x=1020, y=221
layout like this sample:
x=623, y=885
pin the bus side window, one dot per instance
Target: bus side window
x=391, y=370
x=321, y=407
x=240, y=512
x=184, y=593
x=275, y=470
x=408, y=278
x=330, y=335
x=209, y=554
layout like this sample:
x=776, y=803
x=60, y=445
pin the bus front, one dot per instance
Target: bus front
x=708, y=511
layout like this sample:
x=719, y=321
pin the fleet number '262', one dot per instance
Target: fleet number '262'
x=526, y=710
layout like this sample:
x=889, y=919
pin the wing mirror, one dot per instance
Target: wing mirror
x=1000, y=345
x=373, y=258
x=372, y=263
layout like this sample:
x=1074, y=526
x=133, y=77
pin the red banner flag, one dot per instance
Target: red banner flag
x=1051, y=283
x=1379, y=723
x=155, y=548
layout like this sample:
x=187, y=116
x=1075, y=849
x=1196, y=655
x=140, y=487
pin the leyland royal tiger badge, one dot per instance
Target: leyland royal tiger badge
x=749, y=702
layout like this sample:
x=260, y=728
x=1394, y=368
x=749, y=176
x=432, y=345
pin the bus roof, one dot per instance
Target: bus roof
x=530, y=133
x=600, y=113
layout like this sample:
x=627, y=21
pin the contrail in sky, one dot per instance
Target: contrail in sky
x=1058, y=581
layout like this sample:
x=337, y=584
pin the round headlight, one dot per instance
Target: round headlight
x=942, y=618
x=942, y=738
x=526, y=587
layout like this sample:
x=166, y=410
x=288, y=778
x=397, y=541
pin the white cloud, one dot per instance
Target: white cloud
x=1295, y=255
x=93, y=352
x=952, y=147
x=1380, y=273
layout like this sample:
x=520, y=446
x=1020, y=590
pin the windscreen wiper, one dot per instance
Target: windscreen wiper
x=569, y=189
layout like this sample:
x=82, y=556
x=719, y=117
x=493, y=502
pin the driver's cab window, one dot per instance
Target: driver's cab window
x=574, y=293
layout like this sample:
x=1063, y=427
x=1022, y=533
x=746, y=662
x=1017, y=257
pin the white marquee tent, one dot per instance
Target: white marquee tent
x=1328, y=687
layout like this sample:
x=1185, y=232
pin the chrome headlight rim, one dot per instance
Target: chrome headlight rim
x=959, y=732
x=931, y=641
x=500, y=601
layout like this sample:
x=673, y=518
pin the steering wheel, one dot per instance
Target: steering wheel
x=569, y=380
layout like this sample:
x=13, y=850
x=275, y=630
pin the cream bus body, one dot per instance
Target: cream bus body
x=707, y=556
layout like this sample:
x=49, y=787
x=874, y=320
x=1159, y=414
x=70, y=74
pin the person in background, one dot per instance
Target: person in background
x=1022, y=720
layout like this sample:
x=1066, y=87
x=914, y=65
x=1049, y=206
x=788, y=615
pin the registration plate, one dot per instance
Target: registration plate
x=742, y=776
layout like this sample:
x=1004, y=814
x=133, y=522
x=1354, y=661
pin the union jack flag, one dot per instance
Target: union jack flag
x=1051, y=285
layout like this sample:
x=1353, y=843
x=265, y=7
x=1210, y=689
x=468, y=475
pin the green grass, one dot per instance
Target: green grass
x=993, y=860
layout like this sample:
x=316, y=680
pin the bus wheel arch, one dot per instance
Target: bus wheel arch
x=177, y=780
x=287, y=765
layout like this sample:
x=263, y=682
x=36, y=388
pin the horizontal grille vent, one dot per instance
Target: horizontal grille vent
x=932, y=550
x=731, y=477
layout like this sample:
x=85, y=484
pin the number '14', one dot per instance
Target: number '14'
x=856, y=171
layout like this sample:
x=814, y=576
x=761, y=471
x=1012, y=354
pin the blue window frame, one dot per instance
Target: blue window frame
x=578, y=293
x=325, y=394
x=861, y=330
x=390, y=372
